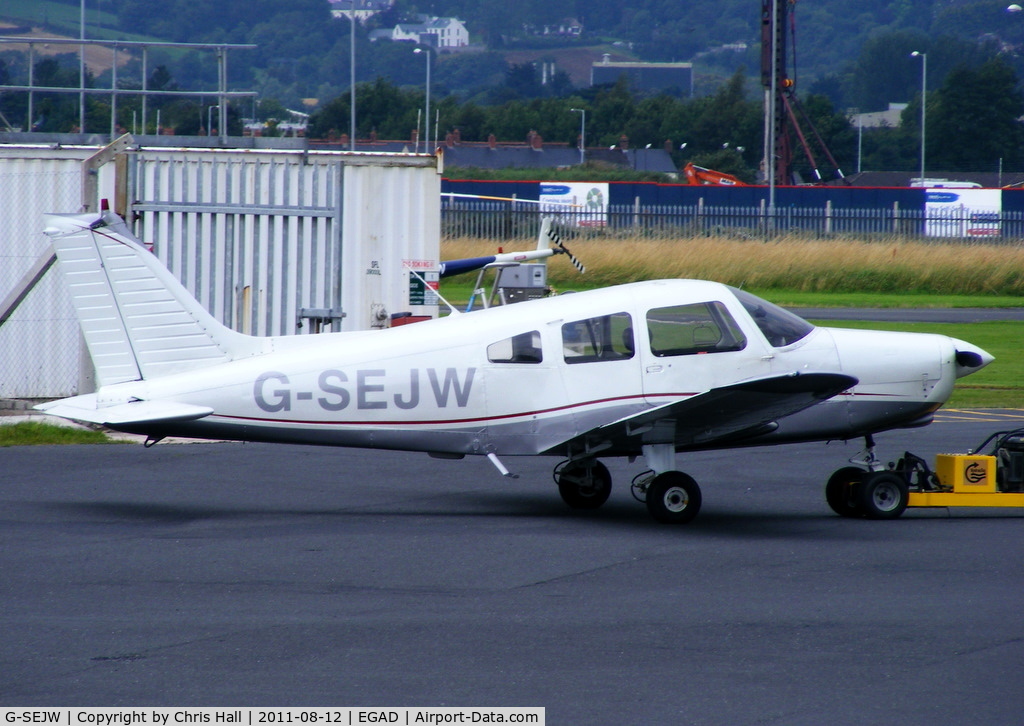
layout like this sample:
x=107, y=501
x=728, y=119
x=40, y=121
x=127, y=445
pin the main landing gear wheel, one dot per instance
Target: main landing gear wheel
x=843, y=490
x=883, y=495
x=584, y=484
x=673, y=498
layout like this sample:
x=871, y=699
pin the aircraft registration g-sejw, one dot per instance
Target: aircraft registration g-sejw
x=645, y=369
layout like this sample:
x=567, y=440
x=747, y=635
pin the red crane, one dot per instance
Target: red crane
x=789, y=118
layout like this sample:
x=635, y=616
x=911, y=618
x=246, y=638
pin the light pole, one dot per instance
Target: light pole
x=924, y=90
x=209, y=120
x=426, y=125
x=583, y=130
x=352, y=79
x=81, y=69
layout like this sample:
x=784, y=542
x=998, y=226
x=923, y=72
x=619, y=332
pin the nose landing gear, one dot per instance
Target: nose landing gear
x=877, y=493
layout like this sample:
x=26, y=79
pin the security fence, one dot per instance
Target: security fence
x=507, y=220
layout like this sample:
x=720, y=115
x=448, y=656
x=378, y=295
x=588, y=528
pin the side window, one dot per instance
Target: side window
x=522, y=348
x=693, y=329
x=609, y=337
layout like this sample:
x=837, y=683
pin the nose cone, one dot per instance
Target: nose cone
x=969, y=358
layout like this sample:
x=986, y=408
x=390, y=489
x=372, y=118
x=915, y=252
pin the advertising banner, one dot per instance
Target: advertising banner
x=576, y=204
x=952, y=212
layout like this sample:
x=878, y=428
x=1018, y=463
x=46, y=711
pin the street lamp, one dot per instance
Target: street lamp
x=583, y=129
x=426, y=126
x=924, y=90
x=352, y=79
x=209, y=120
x=81, y=69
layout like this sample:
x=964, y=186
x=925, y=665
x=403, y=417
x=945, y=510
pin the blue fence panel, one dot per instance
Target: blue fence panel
x=653, y=194
x=661, y=209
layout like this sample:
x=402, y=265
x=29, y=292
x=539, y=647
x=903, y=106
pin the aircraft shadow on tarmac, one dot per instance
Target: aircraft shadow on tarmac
x=490, y=506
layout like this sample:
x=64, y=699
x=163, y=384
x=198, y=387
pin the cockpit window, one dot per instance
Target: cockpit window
x=779, y=326
x=522, y=348
x=693, y=329
x=606, y=338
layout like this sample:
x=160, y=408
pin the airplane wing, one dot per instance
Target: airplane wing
x=720, y=415
x=84, y=408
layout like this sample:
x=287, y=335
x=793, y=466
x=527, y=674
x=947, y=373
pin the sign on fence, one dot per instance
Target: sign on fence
x=576, y=204
x=963, y=212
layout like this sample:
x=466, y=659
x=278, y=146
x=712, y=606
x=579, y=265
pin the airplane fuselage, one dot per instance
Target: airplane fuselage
x=455, y=385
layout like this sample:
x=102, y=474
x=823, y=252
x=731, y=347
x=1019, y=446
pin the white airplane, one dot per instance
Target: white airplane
x=646, y=369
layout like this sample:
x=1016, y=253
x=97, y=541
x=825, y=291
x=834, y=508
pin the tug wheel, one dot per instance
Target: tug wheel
x=883, y=495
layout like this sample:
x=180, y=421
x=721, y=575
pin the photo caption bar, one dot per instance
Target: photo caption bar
x=343, y=716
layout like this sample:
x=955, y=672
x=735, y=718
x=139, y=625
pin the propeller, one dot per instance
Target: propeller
x=556, y=240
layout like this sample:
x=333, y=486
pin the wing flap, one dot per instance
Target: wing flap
x=84, y=408
x=729, y=412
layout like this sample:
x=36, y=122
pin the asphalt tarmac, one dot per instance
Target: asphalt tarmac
x=244, y=575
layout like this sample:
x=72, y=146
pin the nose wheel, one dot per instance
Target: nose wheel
x=875, y=493
x=842, y=492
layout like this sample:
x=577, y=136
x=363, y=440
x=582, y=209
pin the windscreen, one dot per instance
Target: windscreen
x=779, y=326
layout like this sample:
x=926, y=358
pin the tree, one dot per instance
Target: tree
x=974, y=120
x=725, y=118
x=884, y=72
x=380, y=106
x=523, y=80
x=613, y=108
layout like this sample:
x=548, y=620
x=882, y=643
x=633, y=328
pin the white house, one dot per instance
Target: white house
x=436, y=32
x=448, y=32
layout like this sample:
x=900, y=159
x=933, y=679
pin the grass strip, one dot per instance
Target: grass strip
x=883, y=269
x=34, y=433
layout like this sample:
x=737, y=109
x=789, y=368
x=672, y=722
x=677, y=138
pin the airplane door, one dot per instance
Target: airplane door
x=522, y=384
x=694, y=347
x=600, y=368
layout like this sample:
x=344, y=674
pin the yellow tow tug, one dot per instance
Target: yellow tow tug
x=993, y=477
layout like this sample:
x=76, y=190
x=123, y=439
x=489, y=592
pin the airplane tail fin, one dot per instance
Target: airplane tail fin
x=139, y=322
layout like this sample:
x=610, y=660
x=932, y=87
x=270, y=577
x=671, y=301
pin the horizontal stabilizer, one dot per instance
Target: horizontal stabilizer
x=83, y=408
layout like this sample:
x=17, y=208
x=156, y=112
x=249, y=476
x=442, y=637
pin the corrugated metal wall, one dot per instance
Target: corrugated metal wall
x=258, y=236
x=40, y=343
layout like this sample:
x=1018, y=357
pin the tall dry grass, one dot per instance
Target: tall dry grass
x=887, y=266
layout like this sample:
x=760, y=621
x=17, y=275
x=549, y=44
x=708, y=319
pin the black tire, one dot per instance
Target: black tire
x=673, y=498
x=883, y=495
x=585, y=484
x=842, y=492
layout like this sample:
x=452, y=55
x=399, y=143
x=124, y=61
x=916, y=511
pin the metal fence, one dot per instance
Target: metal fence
x=461, y=218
